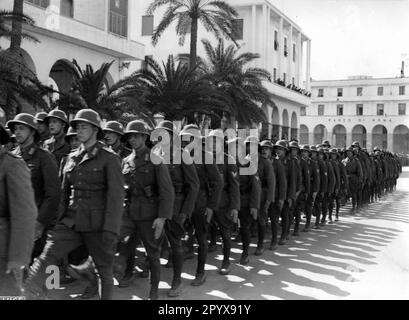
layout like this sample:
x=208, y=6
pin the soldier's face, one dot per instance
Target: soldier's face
x=294, y=152
x=56, y=126
x=266, y=152
x=74, y=142
x=111, y=138
x=321, y=156
x=313, y=155
x=42, y=127
x=333, y=156
x=350, y=154
x=86, y=132
x=280, y=152
x=23, y=133
x=137, y=140
x=304, y=154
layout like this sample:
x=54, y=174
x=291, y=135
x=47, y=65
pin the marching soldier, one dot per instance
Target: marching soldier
x=18, y=214
x=314, y=178
x=250, y=196
x=44, y=176
x=208, y=199
x=186, y=185
x=305, y=188
x=57, y=122
x=281, y=149
x=340, y=200
x=114, y=131
x=320, y=200
x=43, y=129
x=150, y=198
x=355, y=176
x=329, y=194
x=91, y=206
x=267, y=178
x=360, y=195
x=333, y=154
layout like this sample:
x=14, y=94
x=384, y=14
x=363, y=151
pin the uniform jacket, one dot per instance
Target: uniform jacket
x=281, y=186
x=323, y=176
x=343, y=175
x=18, y=212
x=122, y=151
x=306, y=176
x=150, y=194
x=231, y=190
x=45, y=182
x=250, y=190
x=93, y=190
x=298, y=174
x=337, y=174
x=314, y=175
x=331, y=177
x=291, y=176
x=59, y=148
x=354, y=170
x=267, y=176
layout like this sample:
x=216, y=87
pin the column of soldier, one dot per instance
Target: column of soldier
x=76, y=214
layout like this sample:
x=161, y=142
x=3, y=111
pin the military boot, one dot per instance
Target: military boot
x=199, y=280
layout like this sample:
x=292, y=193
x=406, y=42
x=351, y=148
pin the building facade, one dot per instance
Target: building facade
x=284, y=51
x=89, y=31
x=361, y=108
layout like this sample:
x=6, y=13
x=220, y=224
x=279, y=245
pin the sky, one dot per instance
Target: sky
x=353, y=37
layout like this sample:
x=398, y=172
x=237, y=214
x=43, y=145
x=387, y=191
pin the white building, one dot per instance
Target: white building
x=284, y=49
x=370, y=111
x=90, y=31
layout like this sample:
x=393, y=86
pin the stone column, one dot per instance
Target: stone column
x=308, y=67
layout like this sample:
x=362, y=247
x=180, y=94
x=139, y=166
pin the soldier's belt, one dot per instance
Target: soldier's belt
x=86, y=194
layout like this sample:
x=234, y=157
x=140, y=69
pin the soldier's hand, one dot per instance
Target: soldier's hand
x=290, y=202
x=234, y=214
x=109, y=238
x=253, y=213
x=39, y=229
x=281, y=204
x=266, y=206
x=16, y=269
x=158, y=225
x=182, y=218
x=314, y=196
x=209, y=214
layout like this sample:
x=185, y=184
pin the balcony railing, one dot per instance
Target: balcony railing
x=293, y=88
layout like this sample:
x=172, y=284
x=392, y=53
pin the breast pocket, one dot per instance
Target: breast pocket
x=95, y=175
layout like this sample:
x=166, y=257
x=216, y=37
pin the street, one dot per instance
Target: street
x=365, y=256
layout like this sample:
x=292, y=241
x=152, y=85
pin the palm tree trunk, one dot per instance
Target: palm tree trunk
x=193, y=42
x=17, y=26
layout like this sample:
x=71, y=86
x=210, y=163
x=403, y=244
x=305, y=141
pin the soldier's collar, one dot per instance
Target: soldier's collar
x=29, y=150
x=92, y=151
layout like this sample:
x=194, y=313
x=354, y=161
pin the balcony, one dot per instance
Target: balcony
x=49, y=23
x=288, y=94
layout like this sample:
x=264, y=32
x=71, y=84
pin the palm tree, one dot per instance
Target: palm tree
x=175, y=91
x=216, y=16
x=10, y=31
x=227, y=71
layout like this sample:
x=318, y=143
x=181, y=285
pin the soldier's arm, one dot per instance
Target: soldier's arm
x=216, y=186
x=255, y=196
x=23, y=211
x=192, y=180
x=300, y=186
x=292, y=183
x=306, y=177
x=166, y=191
x=317, y=178
x=234, y=186
x=360, y=172
x=281, y=181
x=48, y=211
x=271, y=181
x=115, y=194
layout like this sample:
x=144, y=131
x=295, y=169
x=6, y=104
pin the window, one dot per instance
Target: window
x=293, y=52
x=321, y=108
x=284, y=76
x=401, y=90
x=285, y=47
x=320, y=93
x=379, y=109
x=238, y=29
x=303, y=111
x=275, y=74
x=380, y=91
x=359, y=109
x=40, y=3
x=275, y=40
x=118, y=17
x=67, y=8
x=340, y=109
x=339, y=92
x=402, y=109
x=359, y=92
x=147, y=25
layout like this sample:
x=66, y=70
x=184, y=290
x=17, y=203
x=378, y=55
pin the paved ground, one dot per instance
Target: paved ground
x=365, y=256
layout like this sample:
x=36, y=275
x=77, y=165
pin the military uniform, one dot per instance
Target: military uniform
x=320, y=200
x=355, y=178
x=59, y=148
x=295, y=211
x=314, y=188
x=18, y=214
x=337, y=187
x=305, y=192
x=90, y=213
x=47, y=189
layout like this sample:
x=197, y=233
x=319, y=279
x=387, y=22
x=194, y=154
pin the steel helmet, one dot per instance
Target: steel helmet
x=294, y=144
x=58, y=114
x=137, y=126
x=71, y=133
x=166, y=125
x=333, y=150
x=266, y=144
x=281, y=144
x=40, y=117
x=321, y=150
x=356, y=144
x=326, y=144
x=114, y=126
x=87, y=115
x=305, y=147
x=313, y=149
x=23, y=118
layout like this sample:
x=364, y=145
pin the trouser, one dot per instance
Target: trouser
x=275, y=213
x=308, y=208
x=225, y=224
x=127, y=250
x=245, y=223
x=174, y=233
x=152, y=246
x=318, y=208
x=331, y=202
x=262, y=219
x=295, y=212
x=39, y=245
x=62, y=240
x=325, y=205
